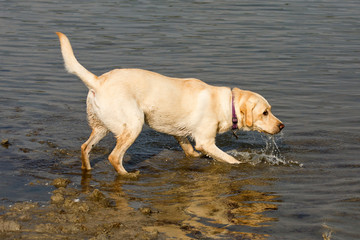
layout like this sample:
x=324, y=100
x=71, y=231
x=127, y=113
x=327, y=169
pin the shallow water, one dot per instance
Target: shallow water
x=303, y=56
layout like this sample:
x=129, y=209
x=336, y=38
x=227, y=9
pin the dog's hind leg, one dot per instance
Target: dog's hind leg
x=98, y=133
x=123, y=141
x=187, y=147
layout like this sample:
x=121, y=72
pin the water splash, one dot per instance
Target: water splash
x=270, y=154
x=272, y=150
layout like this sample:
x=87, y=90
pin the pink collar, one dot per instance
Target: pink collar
x=234, y=118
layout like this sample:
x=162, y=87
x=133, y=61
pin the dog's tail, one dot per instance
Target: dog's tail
x=73, y=66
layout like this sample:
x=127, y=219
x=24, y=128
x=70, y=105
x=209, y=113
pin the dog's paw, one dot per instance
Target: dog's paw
x=236, y=162
x=195, y=155
x=132, y=175
x=233, y=161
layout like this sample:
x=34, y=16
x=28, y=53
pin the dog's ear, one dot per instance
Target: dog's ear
x=247, y=110
x=246, y=107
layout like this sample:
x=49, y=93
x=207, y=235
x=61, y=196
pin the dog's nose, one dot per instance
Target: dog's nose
x=281, y=126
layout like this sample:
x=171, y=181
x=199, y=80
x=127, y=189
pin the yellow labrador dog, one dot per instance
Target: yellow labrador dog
x=122, y=100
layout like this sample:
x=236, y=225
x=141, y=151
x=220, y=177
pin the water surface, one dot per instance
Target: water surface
x=303, y=56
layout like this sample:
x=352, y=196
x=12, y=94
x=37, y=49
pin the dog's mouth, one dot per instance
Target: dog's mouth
x=263, y=131
x=272, y=131
x=267, y=132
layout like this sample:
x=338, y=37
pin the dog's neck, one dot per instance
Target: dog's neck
x=234, y=117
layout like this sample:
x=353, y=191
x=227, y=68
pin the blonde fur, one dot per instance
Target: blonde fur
x=122, y=100
x=73, y=66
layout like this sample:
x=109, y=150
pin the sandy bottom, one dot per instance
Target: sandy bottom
x=79, y=214
x=75, y=215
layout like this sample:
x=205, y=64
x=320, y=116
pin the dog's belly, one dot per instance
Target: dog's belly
x=166, y=123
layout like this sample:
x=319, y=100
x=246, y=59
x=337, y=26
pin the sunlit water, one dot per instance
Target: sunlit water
x=269, y=154
x=302, y=56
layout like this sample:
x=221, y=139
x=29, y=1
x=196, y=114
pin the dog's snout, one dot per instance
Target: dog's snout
x=281, y=126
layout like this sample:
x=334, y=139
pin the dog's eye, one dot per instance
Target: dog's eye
x=265, y=113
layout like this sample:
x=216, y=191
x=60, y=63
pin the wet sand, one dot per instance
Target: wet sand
x=75, y=214
x=200, y=200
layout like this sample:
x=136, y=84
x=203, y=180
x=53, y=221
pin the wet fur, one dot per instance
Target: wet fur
x=122, y=100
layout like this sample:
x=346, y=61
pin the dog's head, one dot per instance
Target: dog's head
x=254, y=113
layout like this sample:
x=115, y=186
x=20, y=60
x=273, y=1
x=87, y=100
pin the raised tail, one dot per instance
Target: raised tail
x=73, y=66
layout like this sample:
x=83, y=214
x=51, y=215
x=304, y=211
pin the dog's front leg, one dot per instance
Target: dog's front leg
x=187, y=147
x=209, y=148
